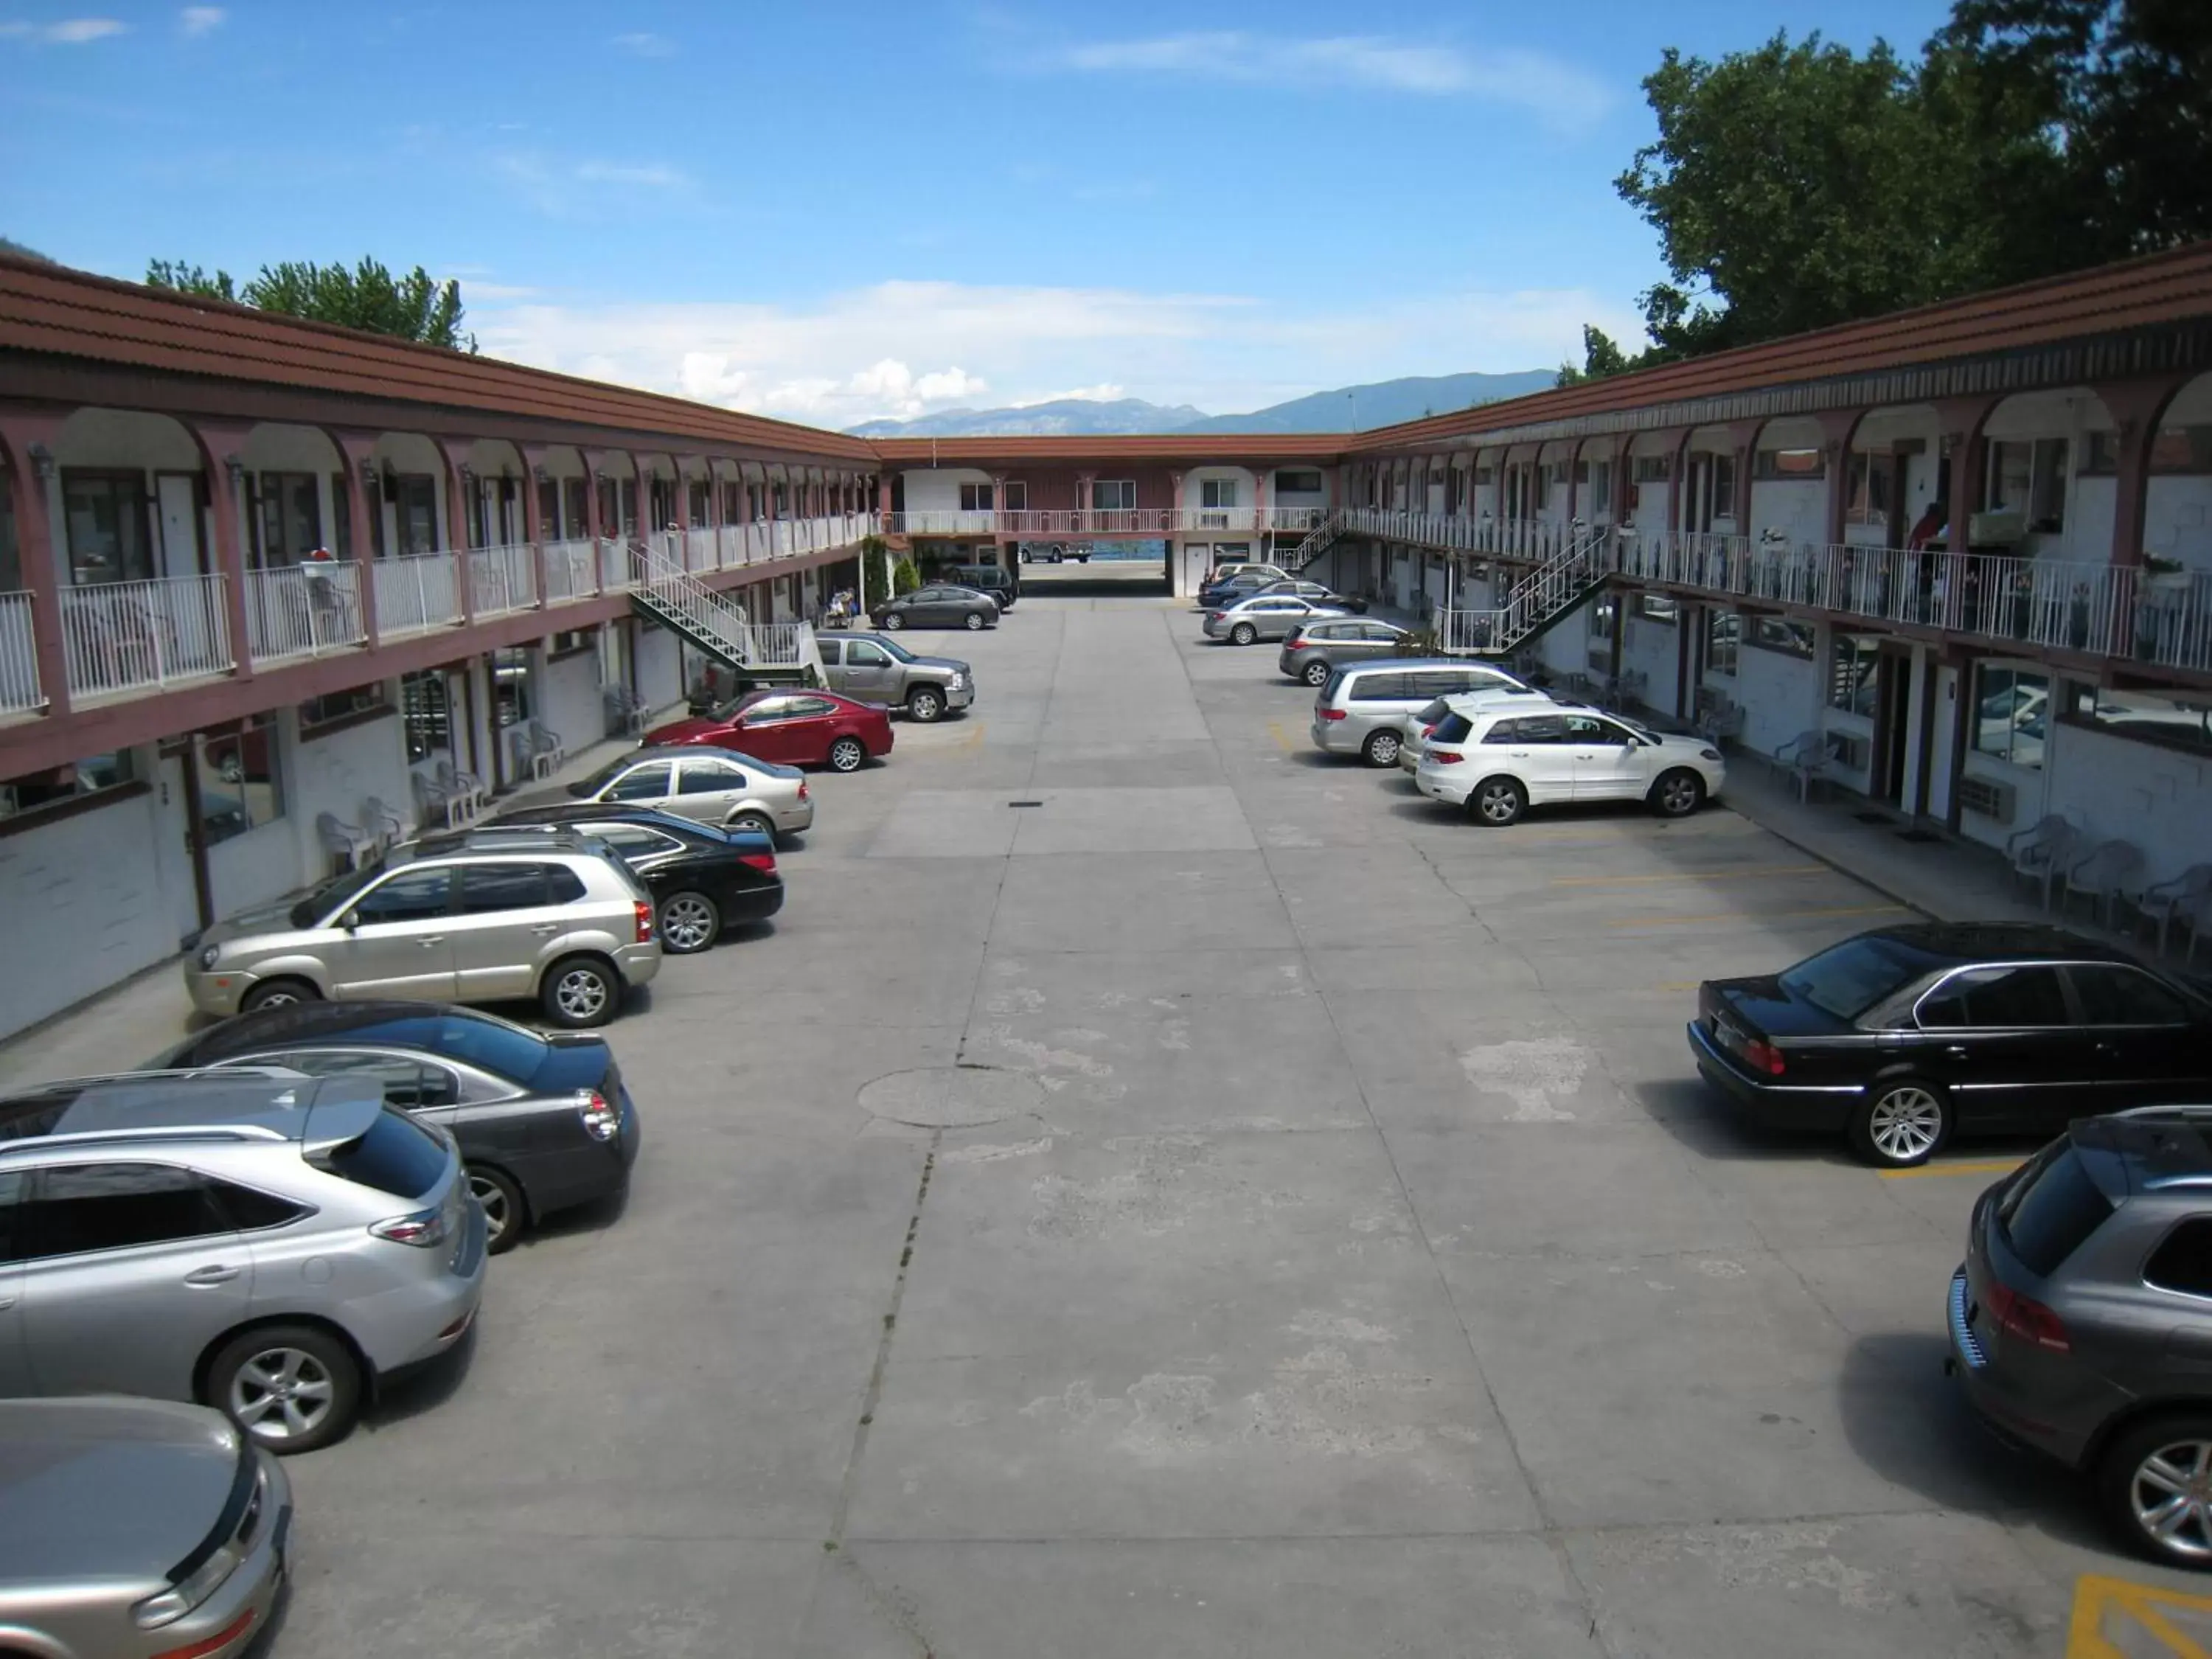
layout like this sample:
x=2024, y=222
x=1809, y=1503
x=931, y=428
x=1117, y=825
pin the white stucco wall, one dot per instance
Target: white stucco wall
x=570, y=701
x=338, y=771
x=660, y=670
x=1780, y=695
x=1795, y=507
x=2176, y=520
x=1649, y=647
x=937, y=489
x=2159, y=798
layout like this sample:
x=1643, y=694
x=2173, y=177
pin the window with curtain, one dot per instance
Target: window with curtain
x=415, y=497
x=289, y=523
x=104, y=516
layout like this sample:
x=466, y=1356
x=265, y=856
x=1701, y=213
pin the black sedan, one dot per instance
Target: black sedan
x=544, y=1122
x=702, y=879
x=940, y=606
x=1901, y=1036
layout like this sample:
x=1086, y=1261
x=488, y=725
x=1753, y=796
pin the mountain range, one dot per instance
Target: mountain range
x=1381, y=403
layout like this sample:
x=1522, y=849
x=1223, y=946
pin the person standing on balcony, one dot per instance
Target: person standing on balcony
x=323, y=596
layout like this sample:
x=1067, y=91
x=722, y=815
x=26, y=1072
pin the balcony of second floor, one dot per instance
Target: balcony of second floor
x=1044, y=524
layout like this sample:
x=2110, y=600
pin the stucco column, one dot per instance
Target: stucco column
x=533, y=515
x=1960, y=422
x=457, y=540
x=220, y=444
x=37, y=554
x=1260, y=475
x=1837, y=426
x=2137, y=407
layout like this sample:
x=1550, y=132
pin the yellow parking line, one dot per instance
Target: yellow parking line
x=1767, y=915
x=1282, y=737
x=1964, y=1166
x=1623, y=881
x=974, y=739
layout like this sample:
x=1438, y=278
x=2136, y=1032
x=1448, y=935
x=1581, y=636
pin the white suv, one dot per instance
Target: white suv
x=1469, y=703
x=1498, y=762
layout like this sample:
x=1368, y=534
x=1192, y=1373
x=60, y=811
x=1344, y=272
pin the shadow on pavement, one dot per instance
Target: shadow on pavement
x=424, y=1388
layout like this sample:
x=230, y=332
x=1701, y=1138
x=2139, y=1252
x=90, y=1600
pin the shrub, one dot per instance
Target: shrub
x=905, y=578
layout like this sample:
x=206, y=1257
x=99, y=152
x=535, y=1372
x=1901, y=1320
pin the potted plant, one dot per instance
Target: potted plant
x=2164, y=574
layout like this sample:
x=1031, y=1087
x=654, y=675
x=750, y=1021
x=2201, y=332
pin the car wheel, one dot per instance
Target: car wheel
x=278, y=993
x=1243, y=634
x=293, y=1387
x=580, y=992
x=974, y=621
x=505, y=1214
x=892, y=623
x=847, y=754
x=1317, y=673
x=751, y=823
x=925, y=703
x=1904, y=1122
x=1382, y=749
x=1498, y=802
x=1678, y=793
x=690, y=923
x=2155, y=1483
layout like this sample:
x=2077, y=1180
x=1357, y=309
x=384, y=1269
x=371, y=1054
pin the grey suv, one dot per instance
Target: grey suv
x=2081, y=1322
x=876, y=669
x=262, y=1243
x=1315, y=651
x=484, y=916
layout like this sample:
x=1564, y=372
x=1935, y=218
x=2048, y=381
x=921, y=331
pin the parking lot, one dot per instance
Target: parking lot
x=1156, y=1190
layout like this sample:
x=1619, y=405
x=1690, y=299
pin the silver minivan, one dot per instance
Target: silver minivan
x=262, y=1243
x=1363, y=710
x=488, y=915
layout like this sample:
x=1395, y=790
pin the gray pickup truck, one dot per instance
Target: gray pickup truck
x=878, y=670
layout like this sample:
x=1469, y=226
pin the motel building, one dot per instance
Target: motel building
x=1961, y=556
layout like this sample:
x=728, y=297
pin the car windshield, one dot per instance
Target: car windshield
x=333, y=895
x=1847, y=979
x=2050, y=1209
x=738, y=705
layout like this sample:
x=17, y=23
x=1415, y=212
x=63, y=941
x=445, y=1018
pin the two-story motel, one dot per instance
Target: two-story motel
x=187, y=701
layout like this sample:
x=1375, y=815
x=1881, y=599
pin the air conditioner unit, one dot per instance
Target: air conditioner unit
x=1986, y=799
x=1853, y=753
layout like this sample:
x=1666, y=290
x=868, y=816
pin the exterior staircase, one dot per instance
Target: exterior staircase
x=766, y=654
x=1317, y=542
x=1554, y=590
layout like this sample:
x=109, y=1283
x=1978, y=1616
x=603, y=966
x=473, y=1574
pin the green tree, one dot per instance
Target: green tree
x=1602, y=357
x=367, y=297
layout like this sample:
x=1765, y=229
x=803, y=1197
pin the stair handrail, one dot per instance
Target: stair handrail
x=1315, y=541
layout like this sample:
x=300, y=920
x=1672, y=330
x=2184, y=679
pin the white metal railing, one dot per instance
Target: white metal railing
x=119, y=637
x=305, y=609
x=615, y=575
x=1295, y=517
x=709, y=615
x=502, y=579
x=18, y=657
x=572, y=571
x=415, y=591
x=699, y=550
x=1466, y=632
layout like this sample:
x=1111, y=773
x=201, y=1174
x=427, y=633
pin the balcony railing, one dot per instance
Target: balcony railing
x=123, y=636
x=572, y=572
x=503, y=580
x=18, y=657
x=414, y=593
x=1036, y=523
x=303, y=611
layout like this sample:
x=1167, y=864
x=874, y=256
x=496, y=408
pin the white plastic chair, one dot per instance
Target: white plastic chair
x=2178, y=900
x=343, y=840
x=2100, y=873
x=463, y=793
x=432, y=802
x=1807, y=756
x=388, y=828
x=542, y=748
x=2043, y=850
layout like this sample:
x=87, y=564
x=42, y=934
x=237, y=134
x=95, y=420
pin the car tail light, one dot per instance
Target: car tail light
x=759, y=861
x=1333, y=713
x=1762, y=1056
x=803, y=795
x=1429, y=731
x=644, y=921
x=2027, y=1319
x=425, y=1229
x=1216, y=616
x=601, y=1121
x=1446, y=756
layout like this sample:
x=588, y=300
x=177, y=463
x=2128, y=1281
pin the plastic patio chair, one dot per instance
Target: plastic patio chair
x=2178, y=900
x=343, y=840
x=543, y=748
x=2100, y=873
x=2043, y=850
x=433, y=802
x=388, y=828
x=1808, y=755
x=465, y=795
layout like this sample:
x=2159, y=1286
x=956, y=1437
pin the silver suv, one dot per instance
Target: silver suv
x=262, y=1243
x=484, y=916
x=877, y=669
x=1364, y=711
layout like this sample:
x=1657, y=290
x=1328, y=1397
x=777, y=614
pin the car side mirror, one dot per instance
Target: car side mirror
x=350, y=921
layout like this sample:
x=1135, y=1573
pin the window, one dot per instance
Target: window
x=1724, y=487
x=1114, y=495
x=635, y=841
x=1846, y=980
x=408, y=1083
x=1787, y=466
x=2183, y=1262
x=2050, y=1209
x=2004, y=998
x=105, y=516
x=975, y=498
x=396, y=1157
x=709, y=778
x=2028, y=478
x=2182, y=449
x=250, y=1211
x=426, y=713
x=1297, y=484
x=2100, y=454
x=1659, y=608
x=289, y=520
x=489, y=887
x=1017, y=496
x=1382, y=688
x=1501, y=731
x=1871, y=488
x=1605, y=614
x=512, y=702
x=1216, y=492
x=2144, y=718
x=1599, y=479
x=115, y=1206
x=1543, y=488
x=414, y=497
x=341, y=706
x=645, y=783
x=88, y=776
x=410, y=896
x=571, y=641
x=2113, y=995
x=812, y=707
x=1723, y=631
x=240, y=787
x=1851, y=659
x=1651, y=469
x=2010, y=709
x=1588, y=729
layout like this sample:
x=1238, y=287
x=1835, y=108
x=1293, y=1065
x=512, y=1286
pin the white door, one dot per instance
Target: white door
x=1610, y=765
x=178, y=500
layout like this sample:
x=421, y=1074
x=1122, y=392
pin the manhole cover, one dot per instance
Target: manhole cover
x=951, y=1097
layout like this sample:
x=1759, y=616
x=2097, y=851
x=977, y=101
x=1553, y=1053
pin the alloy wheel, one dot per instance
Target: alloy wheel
x=1500, y=803
x=582, y=994
x=498, y=1216
x=1906, y=1124
x=924, y=706
x=1317, y=673
x=687, y=923
x=282, y=1393
x=2170, y=1495
x=1678, y=795
x=1383, y=750
x=845, y=755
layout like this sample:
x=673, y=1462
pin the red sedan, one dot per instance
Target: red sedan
x=798, y=728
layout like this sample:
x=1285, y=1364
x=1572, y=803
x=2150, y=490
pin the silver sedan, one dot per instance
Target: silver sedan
x=1266, y=617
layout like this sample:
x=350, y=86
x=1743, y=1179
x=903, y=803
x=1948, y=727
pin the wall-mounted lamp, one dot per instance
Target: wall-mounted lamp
x=542, y=473
x=368, y=476
x=600, y=474
x=468, y=473
x=42, y=461
x=236, y=467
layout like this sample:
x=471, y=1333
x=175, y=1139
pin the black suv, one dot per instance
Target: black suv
x=2081, y=1322
x=992, y=579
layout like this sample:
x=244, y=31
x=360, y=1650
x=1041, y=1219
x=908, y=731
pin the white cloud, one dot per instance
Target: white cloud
x=658, y=175
x=1105, y=392
x=70, y=31
x=1558, y=92
x=195, y=20
x=849, y=356
x=646, y=45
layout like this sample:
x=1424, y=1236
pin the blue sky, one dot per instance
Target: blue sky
x=835, y=211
